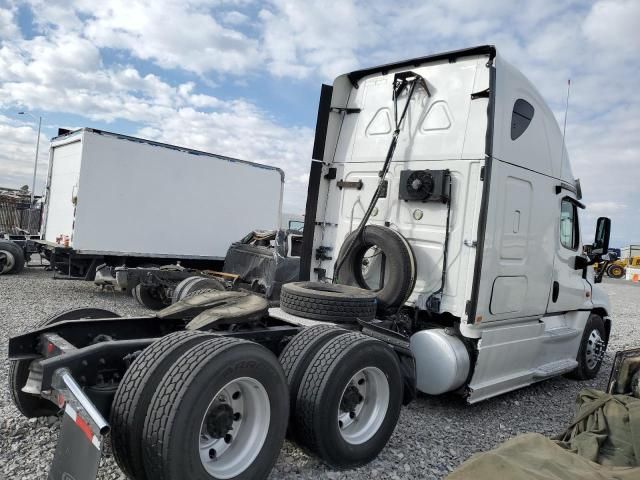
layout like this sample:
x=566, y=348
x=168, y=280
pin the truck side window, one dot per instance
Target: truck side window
x=521, y=117
x=569, y=230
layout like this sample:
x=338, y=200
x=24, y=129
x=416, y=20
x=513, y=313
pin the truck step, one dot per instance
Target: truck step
x=560, y=334
x=554, y=368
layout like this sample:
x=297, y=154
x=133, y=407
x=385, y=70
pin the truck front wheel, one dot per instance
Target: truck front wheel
x=592, y=349
x=349, y=400
x=220, y=412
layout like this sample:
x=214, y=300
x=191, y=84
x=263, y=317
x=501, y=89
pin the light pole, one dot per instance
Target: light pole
x=35, y=164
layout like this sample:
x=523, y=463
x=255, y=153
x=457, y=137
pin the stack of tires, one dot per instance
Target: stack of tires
x=11, y=258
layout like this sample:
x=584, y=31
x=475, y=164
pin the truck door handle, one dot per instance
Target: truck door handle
x=555, y=292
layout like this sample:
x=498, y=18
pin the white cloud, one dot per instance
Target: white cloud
x=38, y=74
x=18, y=152
x=614, y=25
x=178, y=34
x=8, y=28
x=64, y=70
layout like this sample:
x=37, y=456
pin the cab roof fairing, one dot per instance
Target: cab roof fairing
x=509, y=81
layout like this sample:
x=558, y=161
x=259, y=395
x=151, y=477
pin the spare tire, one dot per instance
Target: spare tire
x=400, y=265
x=328, y=302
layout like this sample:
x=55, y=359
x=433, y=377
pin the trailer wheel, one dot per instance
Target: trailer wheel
x=328, y=302
x=220, y=412
x=32, y=406
x=299, y=352
x=12, y=256
x=134, y=394
x=349, y=400
x=147, y=297
x=592, y=349
x=615, y=271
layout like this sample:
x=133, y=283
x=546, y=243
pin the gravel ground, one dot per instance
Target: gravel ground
x=434, y=435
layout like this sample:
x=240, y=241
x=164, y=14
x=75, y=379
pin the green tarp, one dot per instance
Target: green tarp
x=603, y=442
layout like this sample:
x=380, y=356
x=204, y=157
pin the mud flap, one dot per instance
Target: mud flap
x=78, y=451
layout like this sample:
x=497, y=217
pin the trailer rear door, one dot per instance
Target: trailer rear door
x=64, y=174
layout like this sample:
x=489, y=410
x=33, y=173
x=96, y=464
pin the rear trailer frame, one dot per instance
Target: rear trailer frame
x=78, y=364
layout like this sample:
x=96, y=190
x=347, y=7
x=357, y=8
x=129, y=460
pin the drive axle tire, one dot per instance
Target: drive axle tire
x=349, y=400
x=328, y=302
x=219, y=412
x=592, y=349
x=14, y=257
x=32, y=406
x=299, y=352
x=400, y=265
x=134, y=394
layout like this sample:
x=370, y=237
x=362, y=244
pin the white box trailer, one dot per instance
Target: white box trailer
x=119, y=196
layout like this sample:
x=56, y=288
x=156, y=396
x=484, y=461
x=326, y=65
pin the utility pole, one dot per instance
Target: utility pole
x=35, y=165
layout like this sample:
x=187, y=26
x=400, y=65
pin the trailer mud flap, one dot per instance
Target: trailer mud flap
x=79, y=448
x=78, y=452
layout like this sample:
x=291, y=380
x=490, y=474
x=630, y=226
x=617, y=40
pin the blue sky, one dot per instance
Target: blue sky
x=242, y=77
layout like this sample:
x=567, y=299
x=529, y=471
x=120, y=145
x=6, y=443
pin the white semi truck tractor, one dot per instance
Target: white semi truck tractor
x=441, y=252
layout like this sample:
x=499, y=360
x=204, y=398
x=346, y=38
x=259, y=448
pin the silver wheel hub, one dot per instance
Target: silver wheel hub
x=234, y=428
x=363, y=405
x=7, y=261
x=595, y=349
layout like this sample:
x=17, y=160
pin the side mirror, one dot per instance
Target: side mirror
x=580, y=262
x=601, y=242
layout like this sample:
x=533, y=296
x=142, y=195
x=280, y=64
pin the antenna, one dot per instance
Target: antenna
x=564, y=129
x=566, y=110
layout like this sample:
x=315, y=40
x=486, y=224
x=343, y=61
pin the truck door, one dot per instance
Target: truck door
x=568, y=289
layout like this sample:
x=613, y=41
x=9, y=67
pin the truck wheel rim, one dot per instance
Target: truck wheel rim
x=363, y=405
x=595, y=349
x=10, y=261
x=234, y=428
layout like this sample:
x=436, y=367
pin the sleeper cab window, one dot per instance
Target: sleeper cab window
x=520, y=117
x=569, y=231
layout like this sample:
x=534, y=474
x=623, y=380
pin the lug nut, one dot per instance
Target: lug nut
x=236, y=395
x=236, y=416
x=228, y=438
x=352, y=414
x=212, y=453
